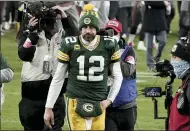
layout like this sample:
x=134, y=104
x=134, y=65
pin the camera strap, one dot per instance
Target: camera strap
x=48, y=43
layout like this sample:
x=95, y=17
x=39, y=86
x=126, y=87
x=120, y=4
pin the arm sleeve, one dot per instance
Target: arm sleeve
x=6, y=75
x=117, y=76
x=6, y=72
x=127, y=68
x=116, y=53
x=27, y=54
x=56, y=84
x=128, y=61
x=64, y=51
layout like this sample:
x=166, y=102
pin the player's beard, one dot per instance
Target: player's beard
x=89, y=37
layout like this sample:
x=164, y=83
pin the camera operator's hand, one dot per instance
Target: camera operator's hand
x=32, y=24
x=60, y=11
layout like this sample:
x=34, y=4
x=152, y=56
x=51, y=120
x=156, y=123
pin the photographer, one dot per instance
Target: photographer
x=180, y=108
x=121, y=115
x=38, y=42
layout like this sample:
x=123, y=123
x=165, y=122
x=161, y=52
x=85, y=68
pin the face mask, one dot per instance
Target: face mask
x=180, y=68
x=116, y=38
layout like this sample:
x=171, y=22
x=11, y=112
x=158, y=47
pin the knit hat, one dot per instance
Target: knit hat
x=89, y=17
x=179, y=51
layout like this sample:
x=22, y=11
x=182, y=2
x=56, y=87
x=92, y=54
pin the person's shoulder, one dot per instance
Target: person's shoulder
x=108, y=41
x=131, y=50
x=69, y=41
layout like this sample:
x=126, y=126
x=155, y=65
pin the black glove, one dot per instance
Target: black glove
x=33, y=36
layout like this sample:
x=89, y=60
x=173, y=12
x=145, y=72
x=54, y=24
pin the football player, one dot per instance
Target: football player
x=6, y=76
x=87, y=58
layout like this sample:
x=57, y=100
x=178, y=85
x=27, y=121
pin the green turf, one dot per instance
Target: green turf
x=145, y=120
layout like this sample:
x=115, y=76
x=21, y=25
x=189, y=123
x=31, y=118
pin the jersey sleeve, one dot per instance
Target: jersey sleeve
x=115, y=53
x=63, y=55
x=4, y=63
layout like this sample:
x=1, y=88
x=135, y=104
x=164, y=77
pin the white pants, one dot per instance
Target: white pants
x=2, y=96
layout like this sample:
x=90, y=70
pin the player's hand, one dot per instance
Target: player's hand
x=105, y=103
x=49, y=117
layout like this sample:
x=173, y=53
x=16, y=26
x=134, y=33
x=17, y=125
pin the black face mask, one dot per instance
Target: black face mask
x=46, y=24
x=57, y=26
x=51, y=26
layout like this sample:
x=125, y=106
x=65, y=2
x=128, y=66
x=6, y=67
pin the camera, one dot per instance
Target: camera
x=163, y=69
x=41, y=10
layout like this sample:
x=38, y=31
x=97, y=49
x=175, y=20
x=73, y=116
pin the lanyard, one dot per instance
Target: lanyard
x=48, y=45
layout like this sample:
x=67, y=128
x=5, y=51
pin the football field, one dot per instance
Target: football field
x=145, y=118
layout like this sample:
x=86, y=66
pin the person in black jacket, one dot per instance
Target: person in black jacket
x=155, y=24
x=38, y=42
x=179, y=119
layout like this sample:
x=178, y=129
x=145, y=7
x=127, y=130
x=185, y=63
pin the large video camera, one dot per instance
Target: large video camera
x=164, y=69
x=42, y=10
x=39, y=9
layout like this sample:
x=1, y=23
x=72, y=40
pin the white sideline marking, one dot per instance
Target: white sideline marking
x=14, y=93
x=9, y=121
x=143, y=76
x=138, y=73
x=13, y=121
x=145, y=73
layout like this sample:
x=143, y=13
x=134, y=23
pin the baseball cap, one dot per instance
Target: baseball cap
x=114, y=24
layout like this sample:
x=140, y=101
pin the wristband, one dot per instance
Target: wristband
x=27, y=43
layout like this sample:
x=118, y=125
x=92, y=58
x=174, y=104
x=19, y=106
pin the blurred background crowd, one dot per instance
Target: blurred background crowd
x=150, y=20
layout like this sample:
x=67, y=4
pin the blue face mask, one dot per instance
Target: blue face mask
x=180, y=68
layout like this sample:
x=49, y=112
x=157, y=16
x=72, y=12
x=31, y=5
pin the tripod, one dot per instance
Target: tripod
x=168, y=100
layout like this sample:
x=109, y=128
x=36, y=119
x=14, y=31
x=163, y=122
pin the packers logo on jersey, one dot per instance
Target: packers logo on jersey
x=88, y=107
x=87, y=21
x=76, y=47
